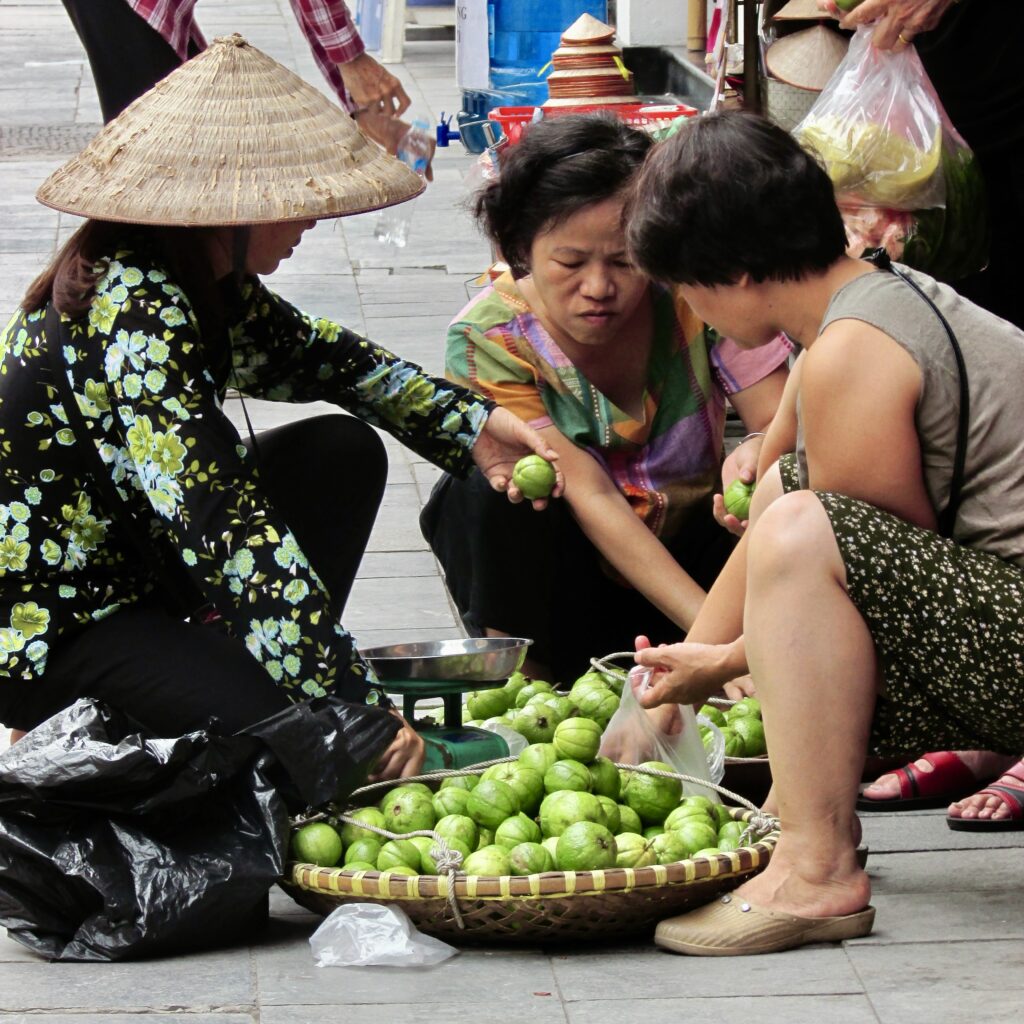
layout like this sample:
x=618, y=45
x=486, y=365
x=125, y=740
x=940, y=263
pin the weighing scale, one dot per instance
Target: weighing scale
x=448, y=669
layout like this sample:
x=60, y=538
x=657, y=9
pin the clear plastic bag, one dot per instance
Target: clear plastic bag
x=631, y=738
x=374, y=935
x=905, y=179
x=879, y=128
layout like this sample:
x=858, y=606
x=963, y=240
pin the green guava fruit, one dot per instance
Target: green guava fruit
x=409, y=811
x=566, y=807
x=488, y=703
x=633, y=851
x=687, y=813
x=668, y=848
x=536, y=723
x=359, y=865
x=515, y=830
x=578, y=739
x=733, y=742
x=567, y=774
x=650, y=796
x=370, y=815
x=317, y=843
x=534, y=476
x=428, y=862
x=531, y=689
x=585, y=846
x=751, y=732
x=450, y=801
x=460, y=827
x=737, y=499
x=399, y=853
x=714, y=715
x=629, y=820
x=612, y=818
x=695, y=835
x=539, y=756
x=491, y=860
x=492, y=802
x=530, y=859
x=363, y=850
x=605, y=779
x=466, y=782
x=744, y=706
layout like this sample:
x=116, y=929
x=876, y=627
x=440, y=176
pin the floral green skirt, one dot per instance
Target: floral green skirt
x=948, y=627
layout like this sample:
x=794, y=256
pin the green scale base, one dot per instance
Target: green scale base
x=452, y=745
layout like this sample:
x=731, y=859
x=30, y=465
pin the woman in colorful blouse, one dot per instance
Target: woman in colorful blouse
x=625, y=383
x=127, y=500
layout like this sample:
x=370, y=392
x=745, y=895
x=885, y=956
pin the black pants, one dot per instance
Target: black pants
x=172, y=676
x=126, y=55
x=537, y=575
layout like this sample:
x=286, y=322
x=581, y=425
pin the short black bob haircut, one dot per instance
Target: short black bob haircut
x=732, y=194
x=558, y=167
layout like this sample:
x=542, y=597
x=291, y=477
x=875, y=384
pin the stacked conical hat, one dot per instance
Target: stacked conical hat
x=588, y=69
x=808, y=58
x=230, y=137
x=586, y=30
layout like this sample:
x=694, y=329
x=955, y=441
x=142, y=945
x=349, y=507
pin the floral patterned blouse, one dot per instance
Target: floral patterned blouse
x=153, y=407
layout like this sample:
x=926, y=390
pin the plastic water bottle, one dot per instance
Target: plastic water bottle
x=392, y=227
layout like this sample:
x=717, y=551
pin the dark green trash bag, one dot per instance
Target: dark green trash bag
x=115, y=844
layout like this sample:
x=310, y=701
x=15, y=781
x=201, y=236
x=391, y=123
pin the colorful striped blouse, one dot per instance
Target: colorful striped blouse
x=665, y=464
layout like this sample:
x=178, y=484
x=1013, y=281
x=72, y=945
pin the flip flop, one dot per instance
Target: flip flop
x=733, y=927
x=1013, y=798
x=950, y=780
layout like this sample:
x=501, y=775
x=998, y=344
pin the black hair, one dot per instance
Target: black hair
x=560, y=166
x=733, y=194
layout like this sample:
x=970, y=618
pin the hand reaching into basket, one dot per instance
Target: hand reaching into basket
x=687, y=673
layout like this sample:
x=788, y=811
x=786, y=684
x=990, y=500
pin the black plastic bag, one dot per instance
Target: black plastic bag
x=115, y=844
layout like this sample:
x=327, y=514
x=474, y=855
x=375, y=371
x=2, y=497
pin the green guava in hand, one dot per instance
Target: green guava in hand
x=534, y=476
x=737, y=499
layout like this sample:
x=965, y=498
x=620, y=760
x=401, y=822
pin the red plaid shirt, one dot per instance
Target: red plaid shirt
x=326, y=24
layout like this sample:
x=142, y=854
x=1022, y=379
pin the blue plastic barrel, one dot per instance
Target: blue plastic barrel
x=523, y=35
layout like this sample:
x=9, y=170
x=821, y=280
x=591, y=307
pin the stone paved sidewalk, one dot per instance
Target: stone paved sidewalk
x=949, y=943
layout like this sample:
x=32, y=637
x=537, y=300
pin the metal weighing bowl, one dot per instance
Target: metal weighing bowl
x=476, y=659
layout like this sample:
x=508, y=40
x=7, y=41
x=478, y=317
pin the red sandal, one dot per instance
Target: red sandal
x=1013, y=798
x=949, y=781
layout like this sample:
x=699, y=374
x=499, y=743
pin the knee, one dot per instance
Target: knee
x=793, y=535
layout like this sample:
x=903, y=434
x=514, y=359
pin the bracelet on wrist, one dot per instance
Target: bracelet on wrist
x=750, y=437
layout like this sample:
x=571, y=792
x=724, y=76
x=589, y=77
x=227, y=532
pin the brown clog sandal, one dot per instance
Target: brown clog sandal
x=733, y=927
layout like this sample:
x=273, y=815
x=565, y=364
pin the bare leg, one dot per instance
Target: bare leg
x=720, y=619
x=814, y=662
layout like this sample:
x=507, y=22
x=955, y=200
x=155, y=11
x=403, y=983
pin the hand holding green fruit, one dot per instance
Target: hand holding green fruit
x=535, y=477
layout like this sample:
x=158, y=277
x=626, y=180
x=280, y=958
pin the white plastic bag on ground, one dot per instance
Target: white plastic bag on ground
x=632, y=738
x=374, y=935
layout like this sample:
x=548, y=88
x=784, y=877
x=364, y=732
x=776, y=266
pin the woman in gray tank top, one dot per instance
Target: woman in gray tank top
x=877, y=595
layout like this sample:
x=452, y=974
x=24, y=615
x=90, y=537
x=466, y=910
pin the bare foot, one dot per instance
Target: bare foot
x=982, y=763
x=989, y=807
x=807, y=885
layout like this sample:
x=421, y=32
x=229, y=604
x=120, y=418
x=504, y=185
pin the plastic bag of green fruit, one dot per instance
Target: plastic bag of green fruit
x=632, y=738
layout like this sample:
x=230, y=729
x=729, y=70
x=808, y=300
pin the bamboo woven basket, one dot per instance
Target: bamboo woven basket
x=553, y=906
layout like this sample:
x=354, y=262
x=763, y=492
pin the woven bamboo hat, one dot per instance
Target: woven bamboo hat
x=586, y=30
x=231, y=137
x=807, y=59
x=802, y=10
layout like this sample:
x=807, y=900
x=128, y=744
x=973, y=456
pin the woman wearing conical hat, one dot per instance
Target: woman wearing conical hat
x=147, y=557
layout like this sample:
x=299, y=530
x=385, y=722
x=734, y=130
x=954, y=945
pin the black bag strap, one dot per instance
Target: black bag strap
x=177, y=588
x=947, y=518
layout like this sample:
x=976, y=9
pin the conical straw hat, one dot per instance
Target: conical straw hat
x=230, y=137
x=587, y=29
x=807, y=59
x=802, y=10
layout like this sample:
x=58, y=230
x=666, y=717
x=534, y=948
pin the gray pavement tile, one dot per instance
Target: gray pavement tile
x=397, y=564
x=539, y=1010
x=397, y=528
x=941, y=916
x=289, y=978
x=128, y=1018
x=836, y=1009
x=221, y=980
x=984, y=870
x=926, y=830
x=417, y=602
x=940, y=1004
x=402, y=635
x=13, y=952
x=961, y=966
x=599, y=974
